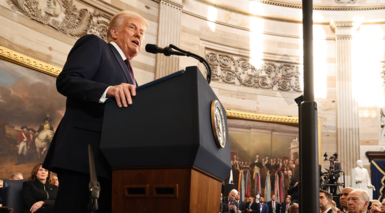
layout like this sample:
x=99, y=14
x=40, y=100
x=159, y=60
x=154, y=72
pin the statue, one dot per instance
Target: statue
x=361, y=179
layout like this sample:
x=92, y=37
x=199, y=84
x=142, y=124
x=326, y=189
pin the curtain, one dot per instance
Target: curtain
x=378, y=178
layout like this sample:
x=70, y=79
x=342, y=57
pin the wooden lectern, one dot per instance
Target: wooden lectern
x=162, y=149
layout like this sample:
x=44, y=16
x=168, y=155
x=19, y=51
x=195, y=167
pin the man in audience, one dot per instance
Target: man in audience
x=383, y=206
x=294, y=208
x=325, y=199
x=17, y=176
x=273, y=205
x=230, y=200
x=358, y=201
x=263, y=208
x=240, y=204
x=285, y=206
x=251, y=206
x=375, y=207
x=344, y=199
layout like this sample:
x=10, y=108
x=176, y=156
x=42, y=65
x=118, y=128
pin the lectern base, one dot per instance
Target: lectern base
x=158, y=190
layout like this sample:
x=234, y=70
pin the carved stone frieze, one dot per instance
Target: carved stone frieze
x=64, y=16
x=238, y=71
x=346, y=1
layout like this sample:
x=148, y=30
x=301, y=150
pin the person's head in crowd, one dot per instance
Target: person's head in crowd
x=17, y=176
x=263, y=160
x=334, y=206
x=332, y=159
x=31, y=131
x=261, y=199
x=55, y=181
x=294, y=208
x=39, y=174
x=251, y=199
x=232, y=194
x=288, y=196
x=383, y=206
x=237, y=198
x=291, y=162
x=221, y=197
x=297, y=162
x=358, y=201
x=375, y=207
x=127, y=30
x=256, y=157
x=273, y=197
x=288, y=199
x=1, y=183
x=325, y=199
x=24, y=128
x=344, y=198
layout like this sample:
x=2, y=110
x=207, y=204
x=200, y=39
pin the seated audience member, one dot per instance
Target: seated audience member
x=325, y=199
x=274, y=206
x=294, y=208
x=263, y=208
x=375, y=207
x=334, y=206
x=344, y=199
x=240, y=204
x=17, y=176
x=55, y=181
x=230, y=200
x=285, y=206
x=251, y=206
x=358, y=201
x=38, y=195
x=383, y=206
x=223, y=207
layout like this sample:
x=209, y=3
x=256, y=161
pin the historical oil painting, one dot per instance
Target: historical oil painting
x=263, y=157
x=30, y=112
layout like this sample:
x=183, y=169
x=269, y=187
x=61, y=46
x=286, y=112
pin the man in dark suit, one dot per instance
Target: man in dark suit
x=94, y=71
x=251, y=206
x=325, y=200
x=273, y=205
x=263, y=208
x=285, y=206
x=230, y=201
x=240, y=204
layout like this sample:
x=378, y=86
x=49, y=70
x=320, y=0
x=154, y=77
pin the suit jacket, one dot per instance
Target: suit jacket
x=34, y=191
x=283, y=207
x=254, y=207
x=241, y=207
x=337, y=169
x=296, y=173
x=277, y=206
x=92, y=65
x=331, y=211
x=265, y=208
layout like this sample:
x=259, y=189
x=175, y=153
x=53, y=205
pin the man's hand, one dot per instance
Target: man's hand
x=122, y=94
x=295, y=184
x=36, y=206
x=375, y=209
x=249, y=210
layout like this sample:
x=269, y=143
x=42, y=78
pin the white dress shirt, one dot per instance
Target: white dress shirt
x=104, y=98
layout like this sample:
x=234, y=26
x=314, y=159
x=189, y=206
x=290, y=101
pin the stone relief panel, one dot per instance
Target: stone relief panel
x=231, y=69
x=64, y=16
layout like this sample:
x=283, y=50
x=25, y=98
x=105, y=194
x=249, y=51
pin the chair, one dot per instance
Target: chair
x=12, y=195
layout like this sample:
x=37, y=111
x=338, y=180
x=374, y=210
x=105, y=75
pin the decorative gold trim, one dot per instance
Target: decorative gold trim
x=263, y=118
x=26, y=61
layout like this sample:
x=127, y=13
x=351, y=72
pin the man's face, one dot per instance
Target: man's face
x=383, y=206
x=288, y=200
x=375, y=205
x=344, y=197
x=324, y=203
x=129, y=36
x=261, y=199
x=1, y=184
x=25, y=130
x=273, y=198
x=356, y=204
x=46, y=121
x=237, y=197
x=251, y=199
x=232, y=195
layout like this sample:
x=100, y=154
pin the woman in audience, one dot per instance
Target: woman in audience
x=54, y=180
x=38, y=195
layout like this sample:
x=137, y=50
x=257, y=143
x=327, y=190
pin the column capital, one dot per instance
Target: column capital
x=344, y=30
x=175, y=3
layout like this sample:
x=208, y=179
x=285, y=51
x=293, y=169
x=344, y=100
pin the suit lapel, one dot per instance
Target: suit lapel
x=121, y=63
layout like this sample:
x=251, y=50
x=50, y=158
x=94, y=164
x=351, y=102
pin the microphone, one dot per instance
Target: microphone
x=167, y=51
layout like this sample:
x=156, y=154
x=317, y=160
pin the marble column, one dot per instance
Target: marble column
x=348, y=141
x=168, y=33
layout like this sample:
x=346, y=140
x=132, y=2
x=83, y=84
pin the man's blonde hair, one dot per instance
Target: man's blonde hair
x=117, y=20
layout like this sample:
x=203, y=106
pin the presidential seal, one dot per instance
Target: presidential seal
x=218, y=124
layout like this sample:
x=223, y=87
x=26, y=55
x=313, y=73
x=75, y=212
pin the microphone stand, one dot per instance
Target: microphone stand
x=94, y=185
x=199, y=58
